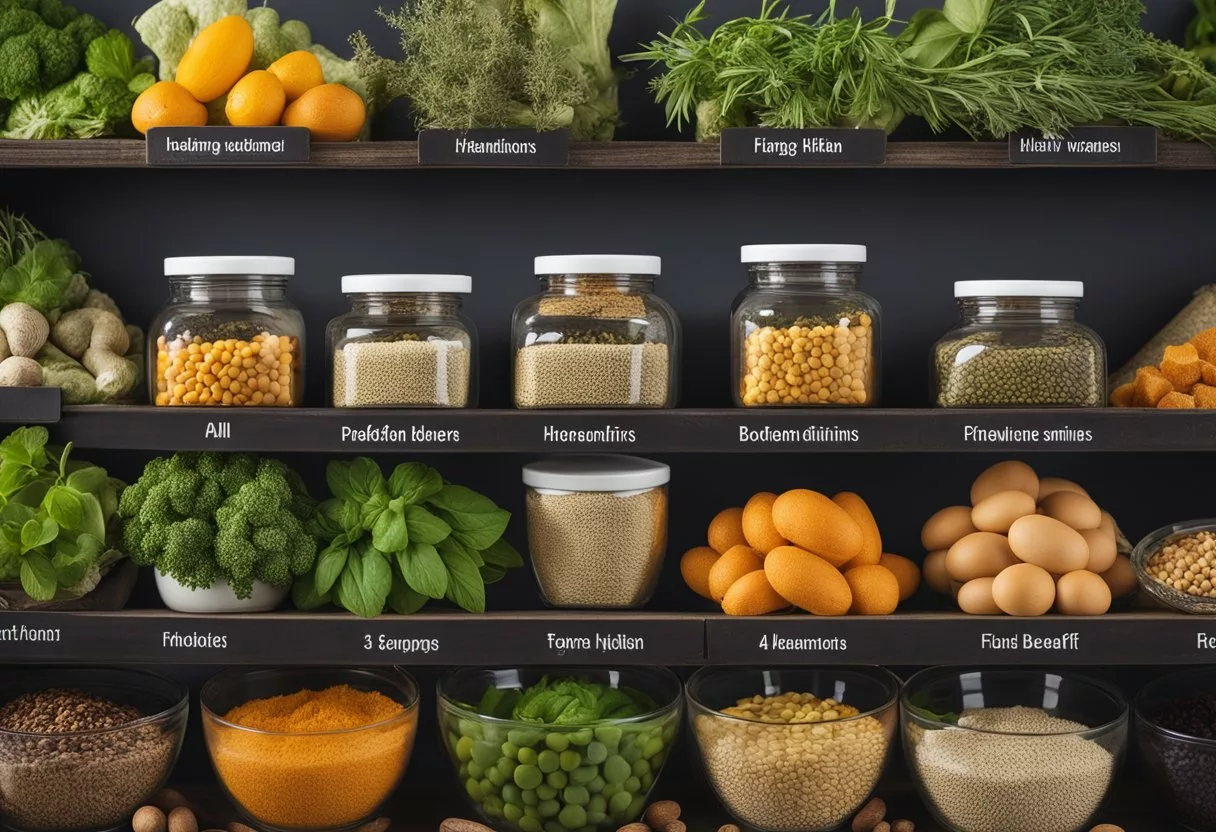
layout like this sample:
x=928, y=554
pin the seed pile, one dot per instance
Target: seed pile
x=597, y=549
x=1187, y=564
x=791, y=709
x=571, y=374
x=810, y=363
x=986, y=370
x=401, y=373
x=65, y=782
x=594, y=304
x=1033, y=775
x=793, y=775
x=298, y=776
x=1185, y=772
x=259, y=372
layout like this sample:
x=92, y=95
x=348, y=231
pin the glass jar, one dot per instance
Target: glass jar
x=228, y=335
x=404, y=343
x=803, y=334
x=597, y=336
x=1019, y=345
x=597, y=529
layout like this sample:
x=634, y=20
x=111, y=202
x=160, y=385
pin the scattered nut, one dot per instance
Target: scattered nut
x=240, y=827
x=1106, y=827
x=870, y=815
x=659, y=815
x=462, y=825
x=634, y=827
x=675, y=826
x=882, y=826
x=169, y=799
x=903, y=826
x=380, y=825
x=730, y=827
x=182, y=819
x=149, y=819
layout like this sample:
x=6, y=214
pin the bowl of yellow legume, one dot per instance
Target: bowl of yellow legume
x=310, y=749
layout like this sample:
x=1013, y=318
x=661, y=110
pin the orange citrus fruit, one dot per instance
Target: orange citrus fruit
x=298, y=72
x=217, y=58
x=257, y=100
x=167, y=105
x=331, y=112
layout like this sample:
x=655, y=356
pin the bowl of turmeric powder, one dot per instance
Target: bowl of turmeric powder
x=310, y=749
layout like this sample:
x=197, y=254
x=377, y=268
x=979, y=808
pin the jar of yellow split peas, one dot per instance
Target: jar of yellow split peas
x=228, y=336
x=803, y=333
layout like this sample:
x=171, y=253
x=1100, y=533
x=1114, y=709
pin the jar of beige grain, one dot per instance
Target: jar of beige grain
x=404, y=343
x=597, y=529
x=597, y=336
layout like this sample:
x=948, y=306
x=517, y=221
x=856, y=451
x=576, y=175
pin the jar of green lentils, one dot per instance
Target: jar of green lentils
x=596, y=336
x=1019, y=345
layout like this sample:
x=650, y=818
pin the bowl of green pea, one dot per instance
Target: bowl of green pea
x=569, y=750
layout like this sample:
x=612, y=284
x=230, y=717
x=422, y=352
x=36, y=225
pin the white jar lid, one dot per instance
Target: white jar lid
x=1019, y=289
x=599, y=264
x=606, y=472
x=353, y=284
x=807, y=253
x=256, y=265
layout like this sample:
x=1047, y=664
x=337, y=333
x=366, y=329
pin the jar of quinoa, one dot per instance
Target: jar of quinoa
x=597, y=529
x=228, y=336
x=404, y=343
x=597, y=336
x=803, y=333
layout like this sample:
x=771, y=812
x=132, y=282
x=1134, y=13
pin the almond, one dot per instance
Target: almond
x=870, y=815
x=462, y=825
x=659, y=815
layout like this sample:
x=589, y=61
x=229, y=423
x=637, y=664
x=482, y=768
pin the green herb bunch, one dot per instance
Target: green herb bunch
x=37, y=270
x=55, y=518
x=474, y=64
x=403, y=541
x=989, y=68
x=1201, y=32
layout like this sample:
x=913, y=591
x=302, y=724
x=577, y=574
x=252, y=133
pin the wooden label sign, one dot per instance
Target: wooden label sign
x=226, y=147
x=494, y=148
x=762, y=147
x=1086, y=146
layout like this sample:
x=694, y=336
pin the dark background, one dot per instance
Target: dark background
x=1139, y=239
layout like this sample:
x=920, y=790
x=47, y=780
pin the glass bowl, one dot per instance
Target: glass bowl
x=315, y=780
x=581, y=776
x=803, y=776
x=1181, y=766
x=90, y=780
x=1001, y=749
x=1153, y=543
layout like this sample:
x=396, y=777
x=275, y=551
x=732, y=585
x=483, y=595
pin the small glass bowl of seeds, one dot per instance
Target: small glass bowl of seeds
x=82, y=749
x=793, y=750
x=1177, y=565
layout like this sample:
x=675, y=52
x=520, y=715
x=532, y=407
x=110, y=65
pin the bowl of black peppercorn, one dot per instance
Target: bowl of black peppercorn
x=1176, y=735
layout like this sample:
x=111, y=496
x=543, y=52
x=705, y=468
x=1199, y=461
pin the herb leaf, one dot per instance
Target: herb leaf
x=330, y=564
x=466, y=588
x=414, y=482
x=365, y=583
x=425, y=527
x=475, y=520
x=424, y=570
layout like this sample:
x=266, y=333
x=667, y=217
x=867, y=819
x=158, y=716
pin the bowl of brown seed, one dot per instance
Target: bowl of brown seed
x=1177, y=565
x=82, y=749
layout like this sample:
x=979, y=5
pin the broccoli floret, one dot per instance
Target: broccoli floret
x=42, y=45
x=182, y=517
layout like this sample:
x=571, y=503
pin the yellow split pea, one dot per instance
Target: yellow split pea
x=807, y=365
x=191, y=372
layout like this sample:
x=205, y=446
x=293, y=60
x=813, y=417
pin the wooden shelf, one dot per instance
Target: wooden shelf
x=126, y=153
x=728, y=430
x=559, y=637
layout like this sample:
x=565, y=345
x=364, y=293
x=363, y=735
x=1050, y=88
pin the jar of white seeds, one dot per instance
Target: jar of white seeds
x=596, y=336
x=404, y=343
x=597, y=529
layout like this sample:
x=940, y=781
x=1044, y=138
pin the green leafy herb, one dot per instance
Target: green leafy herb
x=54, y=531
x=989, y=68
x=35, y=269
x=474, y=64
x=403, y=541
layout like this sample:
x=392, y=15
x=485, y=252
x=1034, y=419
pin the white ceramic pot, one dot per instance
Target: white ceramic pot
x=218, y=598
